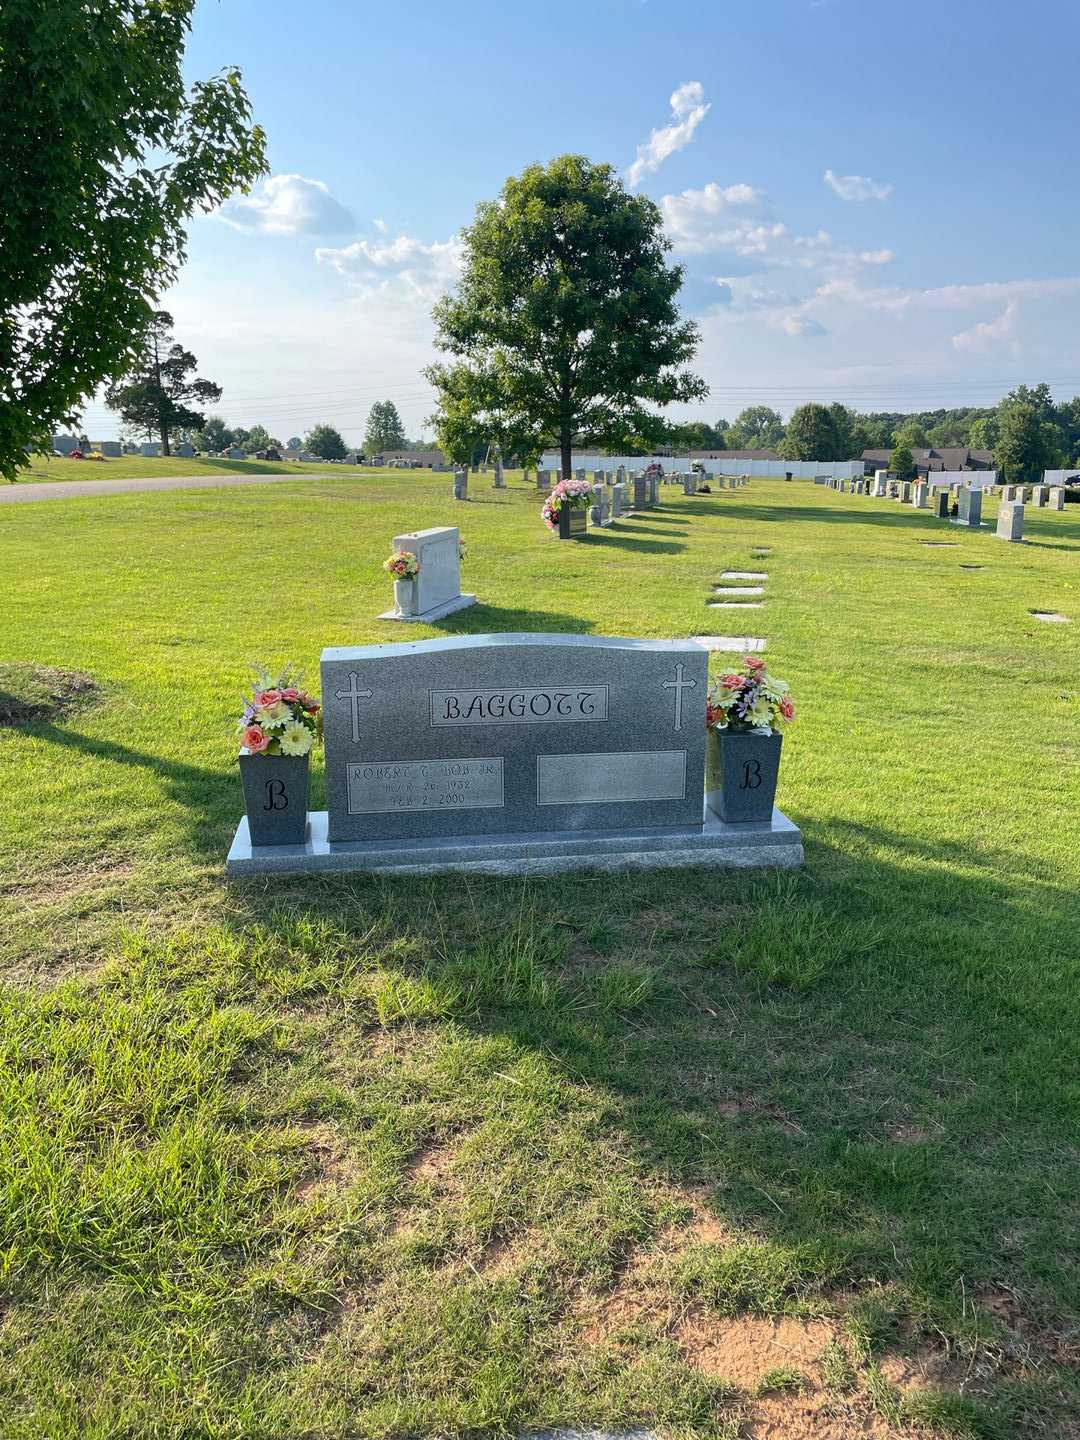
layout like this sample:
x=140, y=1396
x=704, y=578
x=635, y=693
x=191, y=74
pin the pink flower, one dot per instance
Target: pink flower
x=307, y=702
x=255, y=738
x=753, y=662
x=733, y=682
x=266, y=698
x=787, y=709
x=291, y=694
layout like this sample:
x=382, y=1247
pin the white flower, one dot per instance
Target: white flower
x=295, y=739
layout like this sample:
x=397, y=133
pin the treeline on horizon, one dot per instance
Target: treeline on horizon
x=1026, y=431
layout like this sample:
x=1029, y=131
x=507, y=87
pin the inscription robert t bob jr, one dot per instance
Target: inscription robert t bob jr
x=425, y=785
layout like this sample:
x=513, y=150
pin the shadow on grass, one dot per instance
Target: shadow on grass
x=484, y=619
x=614, y=534
x=864, y=1064
x=211, y=801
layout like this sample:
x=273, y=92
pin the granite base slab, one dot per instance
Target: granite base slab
x=776, y=843
x=460, y=602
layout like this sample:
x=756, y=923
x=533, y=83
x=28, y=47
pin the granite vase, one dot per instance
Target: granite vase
x=741, y=771
x=405, y=597
x=573, y=521
x=276, y=797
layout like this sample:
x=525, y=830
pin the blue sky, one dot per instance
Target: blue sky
x=873, y=203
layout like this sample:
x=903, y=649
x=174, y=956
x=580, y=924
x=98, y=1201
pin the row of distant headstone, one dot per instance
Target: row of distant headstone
x=617, y=492
x=967, y=499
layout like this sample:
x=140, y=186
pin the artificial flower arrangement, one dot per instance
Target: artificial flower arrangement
x=749, y=699
x=279, y=718
x=575, y=493
x=402, y=565
x=462, y=548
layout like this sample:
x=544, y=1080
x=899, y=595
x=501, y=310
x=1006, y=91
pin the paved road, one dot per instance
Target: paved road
x=70, y=489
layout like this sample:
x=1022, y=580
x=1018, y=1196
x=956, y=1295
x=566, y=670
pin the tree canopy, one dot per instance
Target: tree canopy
x=106, y=155
x=1026, y=441
x=902, y=462
x=154, y=398
x=325, y=442
x=384, y=429
x=564, y=323
x=810, y=435
x=758, y=427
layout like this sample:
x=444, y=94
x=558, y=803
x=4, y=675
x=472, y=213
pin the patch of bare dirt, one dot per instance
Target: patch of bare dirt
x=743, y=1348
x=601, y=1319
x=335, y=1168
x=907, y=1135
x=433, y=1162
x=1061, y=1345
x=507, y=1255
x=816, y=1415
x=927, y=1368
x=31, y=693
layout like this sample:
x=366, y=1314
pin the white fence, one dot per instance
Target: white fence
x=1062, y=477
x=799, y=469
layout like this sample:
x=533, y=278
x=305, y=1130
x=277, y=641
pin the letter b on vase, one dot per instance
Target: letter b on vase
x=276, y=797
x=741, y=774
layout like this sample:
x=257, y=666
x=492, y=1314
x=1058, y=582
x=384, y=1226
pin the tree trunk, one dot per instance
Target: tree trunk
x=165, y=441
x=567, y=449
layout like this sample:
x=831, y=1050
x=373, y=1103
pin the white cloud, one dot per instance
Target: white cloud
x=798, y=324
x=288, y=205
x=718, y=217
x=733, y=221
x=404, y=265
x=988, y=334
x=858, y=187
x=688, y=109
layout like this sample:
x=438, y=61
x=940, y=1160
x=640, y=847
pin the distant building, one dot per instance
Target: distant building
x=949, y=457
x=422, y=458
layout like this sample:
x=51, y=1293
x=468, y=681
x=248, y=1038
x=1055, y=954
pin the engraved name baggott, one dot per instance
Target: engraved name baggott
x=528, y=706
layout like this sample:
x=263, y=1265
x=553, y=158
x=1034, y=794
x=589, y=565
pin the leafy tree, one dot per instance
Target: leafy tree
x=843, y=432
x=463, y=433
x=564, y=322
x=259, y=438
x=153, y=397
x=902, y=462
x=759, y=427
x=954, y=430
x=697, y=435
x=325, y=442
x=106, y=156
x=911, y=434
x=1038, y=397
x=384, y=429
x=1026, y=442
x=810, y=435
x=294, y=443
x=983, y=432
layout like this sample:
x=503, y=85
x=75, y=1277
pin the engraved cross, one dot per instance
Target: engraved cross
x=355, y=695
x=678, y=685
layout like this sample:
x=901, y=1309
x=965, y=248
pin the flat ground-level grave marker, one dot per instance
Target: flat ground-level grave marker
x=1050, y=616
x=738, y=589
x=517, y=754
x=731, y=644
x=950, y=543
x=735, y=604
x=744, y=575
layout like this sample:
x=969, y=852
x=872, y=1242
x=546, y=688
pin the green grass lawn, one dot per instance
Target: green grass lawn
x=375, y=1157
x=139, y=467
